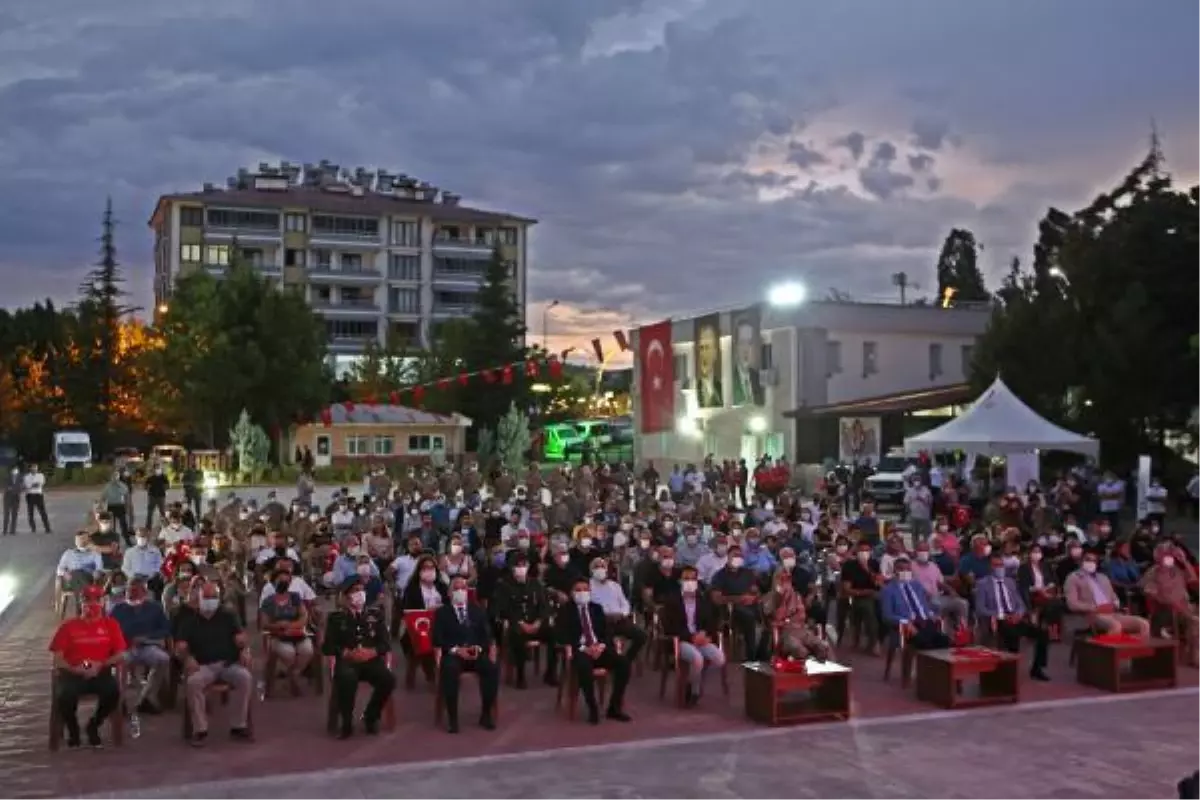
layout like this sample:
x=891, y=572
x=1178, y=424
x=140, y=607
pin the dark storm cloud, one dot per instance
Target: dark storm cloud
x=639, y=154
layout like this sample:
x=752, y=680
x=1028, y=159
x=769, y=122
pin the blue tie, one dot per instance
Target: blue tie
x=914, y=603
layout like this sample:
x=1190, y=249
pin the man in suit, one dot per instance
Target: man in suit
x=463, y=635
x=747, y=381
x=1090, y=592
x=906, y=607
x=692, y=618
x=582, y=626
x=708, y=368
x=998, y=603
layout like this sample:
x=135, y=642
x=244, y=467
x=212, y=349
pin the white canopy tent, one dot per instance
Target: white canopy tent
x=998, y=423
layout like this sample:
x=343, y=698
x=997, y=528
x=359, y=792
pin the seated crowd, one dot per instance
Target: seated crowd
x=586, y=574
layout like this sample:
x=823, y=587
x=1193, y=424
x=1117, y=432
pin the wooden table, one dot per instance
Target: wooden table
x=1126, y=666
x=940, y=677
x=820, y=693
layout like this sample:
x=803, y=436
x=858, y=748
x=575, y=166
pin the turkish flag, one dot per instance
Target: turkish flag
x=419, y=625
x=657, y=378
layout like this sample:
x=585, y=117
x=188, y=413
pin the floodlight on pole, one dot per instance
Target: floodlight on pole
x=787, y=294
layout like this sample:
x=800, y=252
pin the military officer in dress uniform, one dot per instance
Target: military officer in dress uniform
x=522, y=608
x=357, y=638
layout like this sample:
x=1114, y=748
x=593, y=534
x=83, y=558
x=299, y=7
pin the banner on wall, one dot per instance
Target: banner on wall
x=858, y=440
x=746, y=354
x=656, y=385
x=707, y=361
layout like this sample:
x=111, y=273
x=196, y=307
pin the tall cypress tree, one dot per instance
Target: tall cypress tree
x=958, y=267
x=101, y=307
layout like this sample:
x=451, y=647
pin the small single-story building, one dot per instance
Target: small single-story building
x=369, y=433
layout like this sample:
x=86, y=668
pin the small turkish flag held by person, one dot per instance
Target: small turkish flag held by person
x=656, y=378
x=419, y=624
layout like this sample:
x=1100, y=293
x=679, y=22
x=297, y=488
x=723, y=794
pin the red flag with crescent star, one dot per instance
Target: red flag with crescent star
x=656, y=360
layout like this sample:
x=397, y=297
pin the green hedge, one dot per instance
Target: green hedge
x=275, y=476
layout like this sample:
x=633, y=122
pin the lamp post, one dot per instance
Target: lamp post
x=546, y=324
x=788, y=294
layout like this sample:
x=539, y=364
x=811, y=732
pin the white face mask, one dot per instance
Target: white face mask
x=789, y=564
x=427, y=575
x=689, y=587
x=692, y=539
x=209, y=605
x=520, y=572
x=583, y=598
x=363, y=570
x=904, y=577
x=620, y=540
x=600, y=574
x=864, y=556
x=358, y=600
x=585, y=543
x=1035, y=557
x=1168, y=561
x=841, y=548
x=1089, y=567
x=668, y=563
x=455, y=549
x=736, y=562
x=142, y=541
x=669, y=525
x=459, y=597
x=922, y=556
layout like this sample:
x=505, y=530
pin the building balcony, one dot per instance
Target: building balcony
x=357, y=275
x=404, y=312
x=459, y=277
x=454, y=309
x=371, y=240
x=266, y=270
x=461, y=247
x=349, y=307
x=224, y=234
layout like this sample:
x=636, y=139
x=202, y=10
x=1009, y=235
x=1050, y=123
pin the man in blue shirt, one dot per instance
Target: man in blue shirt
x=758, y=558
x=976, y=564
x=868, y=524
x=146, y=628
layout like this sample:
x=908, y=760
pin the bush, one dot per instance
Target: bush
x=87, y=476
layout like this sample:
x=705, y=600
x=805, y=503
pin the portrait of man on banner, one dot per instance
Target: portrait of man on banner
x=708, y=362
x=745, y=326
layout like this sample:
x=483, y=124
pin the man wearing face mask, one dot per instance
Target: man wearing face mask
x=693, y=619
x=907, y=610
x=688, y=547
x=146, y=629
x=712, y=562
x=736, y=586
x=357, y=638
x=85, y=649
x=611, y=597
x=115, y=500
x=1090, y=592
x=1166, y=586
x=107, y=542
x=212, y=645
x=559, y=574
x=462, y=634
x=144, y=561
x=157, y=485
x=523, y=611
x=582, y=626
x=343, y=518
x=998, y=603
x=861, y=580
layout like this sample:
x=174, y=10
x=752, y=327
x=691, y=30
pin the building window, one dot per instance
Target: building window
x=217, y=254
x=352, y=262
x=252, y=256
x=385, y=445
x=362, y=227
x=456, y=302
x=679, y=365
x=189, y=253
x=508, y=236
x=323, y=259
x=870, y=358
x=254, y=220
x=406, y=233
x=425, y=444
x=833, y=358
x=323, y=445
x=404, y=268
x=358, y=446
x=297, y=223
x=766, y=356
x=968, y=357
x=485, y=236
x=294, y=258
x=404, y=301
x=935, y=360
x=468, y=267
x=351, y=329
x=191, y=216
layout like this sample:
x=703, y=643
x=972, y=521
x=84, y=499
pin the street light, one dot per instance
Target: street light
x=758, y=424
x=546, y=324
x=1056, y=272
x=787, y=295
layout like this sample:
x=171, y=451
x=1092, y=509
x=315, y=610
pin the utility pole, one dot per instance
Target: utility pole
x=546, y=325
x=900, y=281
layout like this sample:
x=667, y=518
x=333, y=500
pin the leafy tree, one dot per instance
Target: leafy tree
x=511, y=438
x=253, y=448
x=236, y=342
x=958, y=268
x=1098, y=335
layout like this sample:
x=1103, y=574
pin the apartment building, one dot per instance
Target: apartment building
x=376, y=254
x=837, y=380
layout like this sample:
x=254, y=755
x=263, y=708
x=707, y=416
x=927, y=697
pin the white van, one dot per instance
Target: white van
x=72, y=449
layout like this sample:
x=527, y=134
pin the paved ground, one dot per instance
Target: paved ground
x=1063, y=741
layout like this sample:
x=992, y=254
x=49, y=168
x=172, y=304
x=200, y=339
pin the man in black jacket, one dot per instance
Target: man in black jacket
x=521, y=607
x=157, y=485
x=357, y=638
x=463, y=636
x=582, y=626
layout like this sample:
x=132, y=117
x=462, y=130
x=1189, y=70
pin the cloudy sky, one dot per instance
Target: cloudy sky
x=680, y=154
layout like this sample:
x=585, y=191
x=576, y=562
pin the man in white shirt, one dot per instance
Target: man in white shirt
x=143, y=560
x=1111, y=493
x=1156, y=502
x=611, y=597
x=404, y=565
x=35, y=497
x=918, y=500
x=343, y=519
x=175, y=532
x=78, y=560
x=713, y=562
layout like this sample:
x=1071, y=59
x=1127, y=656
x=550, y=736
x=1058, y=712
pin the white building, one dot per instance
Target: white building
x=893, y=369
x=377, y=255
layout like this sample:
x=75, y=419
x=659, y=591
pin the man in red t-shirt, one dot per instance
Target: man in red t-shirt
x=85, y=650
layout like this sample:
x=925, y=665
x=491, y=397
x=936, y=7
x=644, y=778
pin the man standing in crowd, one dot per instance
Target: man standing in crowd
x=156, y=495
x=115, y=499
x=35, y=498
x=918, y=500
x=13, y=486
